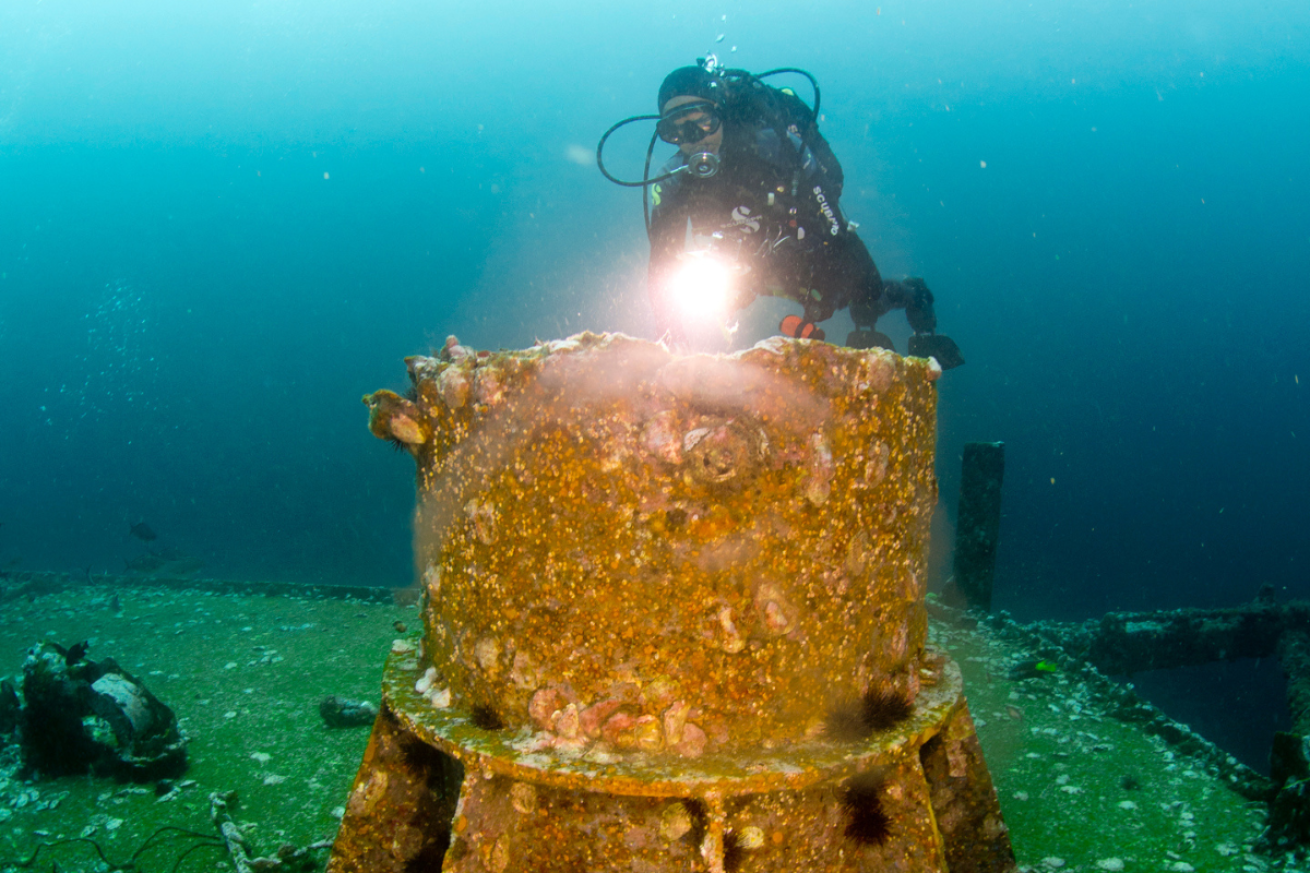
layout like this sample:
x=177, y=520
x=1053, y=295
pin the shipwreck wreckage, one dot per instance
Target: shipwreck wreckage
x=414, y=779
x=637, y=777
x=1123, y=643
x=674, y=619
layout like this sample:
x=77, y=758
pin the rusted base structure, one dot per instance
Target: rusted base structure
x=674, y=620
x=435, y=786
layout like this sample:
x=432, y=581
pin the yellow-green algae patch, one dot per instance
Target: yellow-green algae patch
x=343, y=652
x=1081, y=787
x=244, y=674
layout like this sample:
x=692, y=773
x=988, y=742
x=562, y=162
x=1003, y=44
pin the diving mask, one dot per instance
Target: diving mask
x=689, y=123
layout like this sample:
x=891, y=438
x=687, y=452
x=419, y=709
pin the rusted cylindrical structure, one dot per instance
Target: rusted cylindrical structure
x=673, y=619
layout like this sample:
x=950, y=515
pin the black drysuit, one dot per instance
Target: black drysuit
x=773, y=206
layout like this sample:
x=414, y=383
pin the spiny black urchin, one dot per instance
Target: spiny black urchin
x=856, y=719
x=885, y=707
x=486, y=717
x=867, y=823
x=845, y=722
x=733, y=853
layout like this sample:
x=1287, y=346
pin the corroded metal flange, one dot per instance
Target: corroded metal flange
x=788, y=767
x=438, y=792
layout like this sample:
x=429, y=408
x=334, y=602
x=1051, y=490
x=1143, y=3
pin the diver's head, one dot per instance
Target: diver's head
x=690, y=82
x=691, y=116
x=692, y=124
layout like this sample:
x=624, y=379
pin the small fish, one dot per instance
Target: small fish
x=1033, y=668
x=73, y=654
x=142, y=531
x=77, y=652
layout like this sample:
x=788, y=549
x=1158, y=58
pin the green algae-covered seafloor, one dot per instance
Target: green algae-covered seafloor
x=244, y=673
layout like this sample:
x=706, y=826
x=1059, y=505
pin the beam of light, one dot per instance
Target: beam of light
x=703, y=287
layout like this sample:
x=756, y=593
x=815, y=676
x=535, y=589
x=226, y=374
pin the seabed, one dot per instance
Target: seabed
x=1081, y=789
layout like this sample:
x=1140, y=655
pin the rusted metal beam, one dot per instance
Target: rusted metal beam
x=978, y=522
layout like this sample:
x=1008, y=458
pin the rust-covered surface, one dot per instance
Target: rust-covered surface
x=673, y=619
x=964, y=800
x=675, y=553
x=401, y=805
x=517, y=826
x=798, y=765
x=915, y=797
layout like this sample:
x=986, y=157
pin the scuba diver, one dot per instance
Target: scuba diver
x=760, y=187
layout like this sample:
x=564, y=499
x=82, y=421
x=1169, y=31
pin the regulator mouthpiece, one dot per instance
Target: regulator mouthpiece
x=702, y=165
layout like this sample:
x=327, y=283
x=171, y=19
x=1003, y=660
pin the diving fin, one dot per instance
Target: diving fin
x=798, y=328
x=868, y=338
x=935, y=345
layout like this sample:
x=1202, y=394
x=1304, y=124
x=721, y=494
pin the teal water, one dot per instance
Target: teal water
x=223, y=224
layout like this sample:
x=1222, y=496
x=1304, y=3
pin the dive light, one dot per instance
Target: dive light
x=704, y=287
